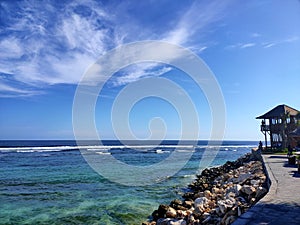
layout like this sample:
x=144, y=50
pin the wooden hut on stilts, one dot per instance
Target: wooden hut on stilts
x=278, y=123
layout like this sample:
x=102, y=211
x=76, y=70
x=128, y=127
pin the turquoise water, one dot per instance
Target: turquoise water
x=49, y=184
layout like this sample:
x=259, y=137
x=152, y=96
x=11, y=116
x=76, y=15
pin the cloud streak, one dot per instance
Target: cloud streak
x=241, y=45
x=136, y=72
x=268, y=44
x=247, y=45
x=198, y=17
x=284, y=41
x=8, y=91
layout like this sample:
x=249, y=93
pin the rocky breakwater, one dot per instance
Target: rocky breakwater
x=218, y=196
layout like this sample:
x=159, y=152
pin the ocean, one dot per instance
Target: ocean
x=50, y=182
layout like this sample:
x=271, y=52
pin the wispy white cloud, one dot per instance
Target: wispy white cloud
x=248, y=45
x=255, y=35
x=291, y=39
x=49, y=45
x=199, y=16
x=264, y=44
x=54, y=43
x=202, y=49
x=10, y=91
x=241, y=45
x=10, y=48
x=269, y=45
x=279, y=42
x=136, y=72
x=4, y=87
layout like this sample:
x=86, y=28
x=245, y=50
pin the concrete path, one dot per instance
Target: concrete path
x=282, y=203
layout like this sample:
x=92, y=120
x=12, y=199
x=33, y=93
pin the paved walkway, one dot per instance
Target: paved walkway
x=282, y=203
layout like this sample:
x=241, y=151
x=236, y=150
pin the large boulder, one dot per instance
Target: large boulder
x=243, y=177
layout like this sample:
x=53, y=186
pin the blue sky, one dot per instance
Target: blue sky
x=252, y=47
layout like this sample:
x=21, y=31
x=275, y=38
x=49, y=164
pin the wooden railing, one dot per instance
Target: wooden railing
x=265, y=127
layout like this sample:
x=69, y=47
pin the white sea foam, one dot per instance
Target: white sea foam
x=144, y=148
x=97, y=149
x=38, y=149
x=185, y=150
x=88, y=147
x=103, y=153
x=160, y=151
x=227, y=146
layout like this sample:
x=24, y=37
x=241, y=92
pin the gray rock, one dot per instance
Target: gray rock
x=229, y=220
x=243, y=177
x=255, y=182
x=205, y=215
x=201, y=202
x=219, y=212
x=247, y=189
x=260, y=192
x=230, y=201
x=239, y=211
x=177, y=222
x=234, y=189
x=222, y=206
x=163, y=221
x=231, y=195
x=241, y=199
x=225, y=205
x=206, y=220
x=199, y=210
x=168, y=221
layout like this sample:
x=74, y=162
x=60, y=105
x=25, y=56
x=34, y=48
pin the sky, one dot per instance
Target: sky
x=46, y=47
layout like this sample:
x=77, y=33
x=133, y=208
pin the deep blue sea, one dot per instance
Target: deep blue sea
x=50, y=182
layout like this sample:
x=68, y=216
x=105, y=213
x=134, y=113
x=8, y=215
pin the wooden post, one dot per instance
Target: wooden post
x=271, y=133
x=265, y=132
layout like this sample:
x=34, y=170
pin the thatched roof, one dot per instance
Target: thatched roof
x=278, y=112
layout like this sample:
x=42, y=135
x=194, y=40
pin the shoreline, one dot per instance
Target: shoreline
x=219, y=195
